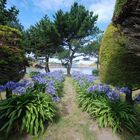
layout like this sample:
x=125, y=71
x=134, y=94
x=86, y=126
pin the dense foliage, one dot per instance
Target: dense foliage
x=32, y=104
x=42, y=39
x=119, y=6
x=119, y=66
x=12, y=59
x=66, y=35
x=8, y=17
x=76, y=28
x=103, y=103
x=26, y=113
x=92, y=48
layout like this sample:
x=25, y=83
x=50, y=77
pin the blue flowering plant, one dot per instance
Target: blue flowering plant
x=32, y=104
x=49, y=83
x=27, y=113
x=82, y=81
x=103, y=103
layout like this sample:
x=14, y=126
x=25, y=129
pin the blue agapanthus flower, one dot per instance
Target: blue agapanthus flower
x=10, y=85
x=81, y=83
x=25, y=83
x=51, y=90
x=113, y=95
x=99, y=88
x=56, y=99
x=2, y=88
x=19, y=90
x=38, y=79
x=125, y=90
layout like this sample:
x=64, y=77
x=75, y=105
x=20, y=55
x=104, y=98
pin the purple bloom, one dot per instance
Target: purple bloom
x=10, y=85
x=125, y=90
x=19, y=90
x=50, y=83
x=81, y=83
x=38, y=80
x=113, y=95
x=92, y=89
x=50, y=90
x=2, y=88
x=99, y=88
x=89, y=78
x=56, y=99
x=25, y=83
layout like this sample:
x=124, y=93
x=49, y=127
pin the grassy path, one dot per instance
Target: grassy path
x=74, y=124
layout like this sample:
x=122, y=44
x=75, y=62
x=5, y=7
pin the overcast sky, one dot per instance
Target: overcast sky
x=32, y=10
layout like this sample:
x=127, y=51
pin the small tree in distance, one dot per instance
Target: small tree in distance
x=92, y=49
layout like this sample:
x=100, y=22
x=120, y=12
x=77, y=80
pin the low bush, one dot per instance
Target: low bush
x=26, y=113
x=103, y=103
x=95, y=72
x=34, y=73
x=32, y=104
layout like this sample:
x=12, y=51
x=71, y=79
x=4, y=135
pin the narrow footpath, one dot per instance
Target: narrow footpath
x=73, y=123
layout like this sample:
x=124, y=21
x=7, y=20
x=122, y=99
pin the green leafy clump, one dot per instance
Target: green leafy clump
x=12, y=64
x=10, y=36
x=26, y=113
x=34, y=73
x=95, y=72
x=118, y=6
x=12, y=58
x=108, y=113
x=119, y=66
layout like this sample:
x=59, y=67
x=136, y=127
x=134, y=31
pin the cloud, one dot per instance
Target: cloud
x=104, y=8
x=52, y=5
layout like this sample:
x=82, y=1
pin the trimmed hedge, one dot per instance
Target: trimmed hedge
x=118, y=6
x=9, y=36
x=119, y=65
x=12, y=58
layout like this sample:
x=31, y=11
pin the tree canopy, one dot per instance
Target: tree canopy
x=43, y=39
x=68, y=32
x=9, y=16
x=76, y=27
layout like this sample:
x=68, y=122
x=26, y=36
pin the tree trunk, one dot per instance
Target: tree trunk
x=68, y=70
x=8, y=93
x=97, y=63
x=47, y=69
x=128, y=97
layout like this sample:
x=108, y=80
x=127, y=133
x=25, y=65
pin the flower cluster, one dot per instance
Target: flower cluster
x=102, y=88
x=82, y=78
x=43, y=82
x=2, y=88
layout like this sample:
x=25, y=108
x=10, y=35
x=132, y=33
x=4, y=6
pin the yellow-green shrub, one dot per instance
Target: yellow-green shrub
x=119, y=65
x=12, y=58
x=118, y=6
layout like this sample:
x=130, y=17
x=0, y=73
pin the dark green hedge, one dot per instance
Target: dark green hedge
x=9, y=36
x=12, y=58
x=119, y=66
x=118, y=6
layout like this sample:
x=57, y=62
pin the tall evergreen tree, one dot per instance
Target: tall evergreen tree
x=76, y=28
x=9, y=16
x=43, y=39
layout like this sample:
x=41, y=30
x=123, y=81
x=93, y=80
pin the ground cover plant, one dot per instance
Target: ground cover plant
x=103, y=103
x=32, y=105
